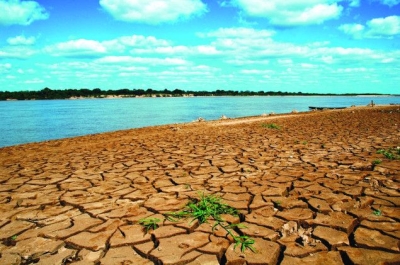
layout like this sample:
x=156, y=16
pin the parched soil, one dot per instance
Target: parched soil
x=313, y=191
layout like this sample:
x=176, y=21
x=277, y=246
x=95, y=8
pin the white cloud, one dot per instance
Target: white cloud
x=308, y=65
x=21, y=40
x=5, y=68
x=354, y=3
x=238, y=33
x=153, y=11
x=16, y=52
x=77, y=48
x=245, y=45
x=34, y=81
x=389, y=2
x=256, y=72
x=141, y=60
x=134, y=45
x=291, y=12
x=285, y=61
x=388, y=26
x=17, y=12
x=355, y=30
x=375, y=28
x=142, y=41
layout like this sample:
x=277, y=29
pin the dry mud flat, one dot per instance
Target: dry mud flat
x=314, y=191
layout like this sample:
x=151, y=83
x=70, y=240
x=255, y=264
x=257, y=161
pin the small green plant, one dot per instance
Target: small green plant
x=201, y=210
x=271, y=126
x=211, y=207
x=10, y=241
x=391, y=153
x=376, y=162
x=149, y=223
x=304, y=142
x=244, y=242
x=377, y=212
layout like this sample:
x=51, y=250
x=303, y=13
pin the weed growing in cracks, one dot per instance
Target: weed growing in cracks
x=391, y=153
x=377, y=212
x=271, y=126
x=211, y=207
x=376, y=162
x=149, y=223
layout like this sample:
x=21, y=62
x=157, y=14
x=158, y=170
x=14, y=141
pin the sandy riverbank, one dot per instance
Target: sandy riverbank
x=313, y=191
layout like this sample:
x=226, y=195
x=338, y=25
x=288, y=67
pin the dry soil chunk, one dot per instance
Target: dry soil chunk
x=296, y=214
x=10, y=258
x=370, y=256
x=35, y=247
x=334, y=237
x=253, y=230
x=320, y=205
x=337, y=220
x=374, y=239
x=326, y=258
x=60, y=257
x=14, y=228
x=179, y=249
x=129, y=235
x=124, y=255
x=295, y=249
x=267, y=252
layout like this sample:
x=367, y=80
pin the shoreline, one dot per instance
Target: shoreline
x=313, y=189
x=222, y=120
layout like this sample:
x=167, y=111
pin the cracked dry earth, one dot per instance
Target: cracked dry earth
x=313, y=192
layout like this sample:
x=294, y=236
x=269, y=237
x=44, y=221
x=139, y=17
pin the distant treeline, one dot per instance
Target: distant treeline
x=48, y=93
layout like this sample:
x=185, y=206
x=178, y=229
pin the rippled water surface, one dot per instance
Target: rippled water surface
x=40, y=120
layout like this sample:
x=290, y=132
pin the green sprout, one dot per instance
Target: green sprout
x=149, y=223
x=391, y=153
x=271, y=126
x=244, y=242
x=376, y=162
x=203, y=209
x=377, y=212
x=211, y=207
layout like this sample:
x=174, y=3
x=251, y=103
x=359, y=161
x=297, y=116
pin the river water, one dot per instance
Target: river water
x=40, y=120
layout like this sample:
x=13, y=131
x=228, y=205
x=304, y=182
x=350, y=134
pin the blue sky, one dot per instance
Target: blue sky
x=325, y=46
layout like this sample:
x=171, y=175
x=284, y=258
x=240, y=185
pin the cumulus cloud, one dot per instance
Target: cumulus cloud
x=388, y=26
x=77, y=48
x=244, y=45
x=291, y=12
x=355, y=30
x=153, y=11
x=376, y=28
x=21, y=40
x=142, y=41
x=17, y=12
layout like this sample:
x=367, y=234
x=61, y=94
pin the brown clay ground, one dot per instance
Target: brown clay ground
x=308, y=193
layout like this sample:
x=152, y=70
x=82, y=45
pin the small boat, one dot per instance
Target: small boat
x=323, y=108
